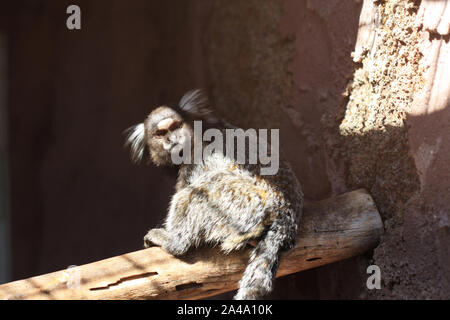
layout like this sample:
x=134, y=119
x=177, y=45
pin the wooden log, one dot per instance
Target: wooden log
x=331, y=230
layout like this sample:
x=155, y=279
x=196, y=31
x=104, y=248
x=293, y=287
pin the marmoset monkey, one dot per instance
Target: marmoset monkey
x=218, y=200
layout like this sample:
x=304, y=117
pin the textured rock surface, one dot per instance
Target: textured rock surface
x=383, y=123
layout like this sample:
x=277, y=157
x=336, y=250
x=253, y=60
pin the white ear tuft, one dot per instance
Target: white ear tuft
x=136, y=142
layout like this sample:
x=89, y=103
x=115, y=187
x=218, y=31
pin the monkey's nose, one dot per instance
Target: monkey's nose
x=174, y=139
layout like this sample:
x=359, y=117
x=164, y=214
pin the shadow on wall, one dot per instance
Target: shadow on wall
x=75, y=196
x=414, y=206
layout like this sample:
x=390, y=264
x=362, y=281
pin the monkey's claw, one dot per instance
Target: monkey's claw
x=155, y=237
x=148, y=243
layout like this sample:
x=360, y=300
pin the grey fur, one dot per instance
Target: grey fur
x=221, y=202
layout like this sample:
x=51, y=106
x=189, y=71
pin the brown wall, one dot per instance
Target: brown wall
x=285, y=64
x=75, y=196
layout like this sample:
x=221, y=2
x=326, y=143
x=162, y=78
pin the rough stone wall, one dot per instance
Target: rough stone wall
x=374, y=141
x=378, y=152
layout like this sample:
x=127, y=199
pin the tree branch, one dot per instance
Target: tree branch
x=331, y=230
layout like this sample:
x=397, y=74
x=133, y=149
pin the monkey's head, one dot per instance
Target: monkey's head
x=167, y=130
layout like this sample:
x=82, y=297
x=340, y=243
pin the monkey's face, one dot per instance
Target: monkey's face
x=166, y=133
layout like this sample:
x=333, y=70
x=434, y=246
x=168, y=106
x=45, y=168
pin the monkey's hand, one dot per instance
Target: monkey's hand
x=155, y=237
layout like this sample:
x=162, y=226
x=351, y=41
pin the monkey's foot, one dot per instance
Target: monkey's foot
x=155, y=237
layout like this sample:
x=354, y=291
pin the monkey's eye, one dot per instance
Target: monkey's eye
x=160, y=132
x=175, y=125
